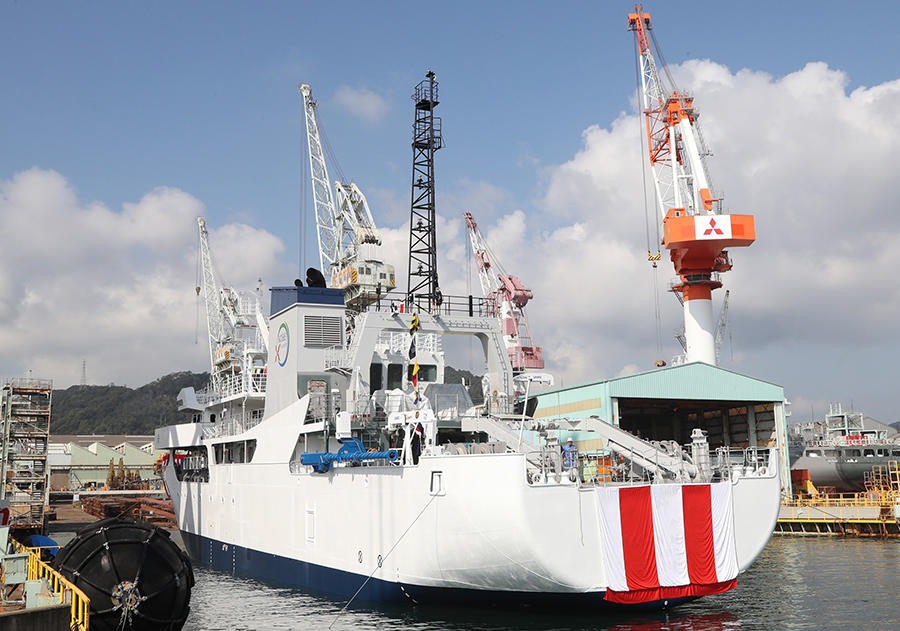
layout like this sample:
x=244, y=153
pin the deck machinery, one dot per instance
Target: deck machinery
x=696, y=230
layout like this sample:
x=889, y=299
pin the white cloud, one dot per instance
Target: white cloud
x=811, y=298
x=811, y=161
x=361, y=102
x=81, y=281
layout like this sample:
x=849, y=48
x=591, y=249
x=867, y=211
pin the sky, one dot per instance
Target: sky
x=123, y=122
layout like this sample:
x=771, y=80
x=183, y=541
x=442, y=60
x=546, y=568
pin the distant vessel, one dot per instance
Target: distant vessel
x=846, y=449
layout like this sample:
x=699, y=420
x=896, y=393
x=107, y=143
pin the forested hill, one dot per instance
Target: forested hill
x=120, y=409
x=123, y=410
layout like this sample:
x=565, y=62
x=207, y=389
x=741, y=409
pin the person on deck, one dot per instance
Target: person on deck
x=570, y=454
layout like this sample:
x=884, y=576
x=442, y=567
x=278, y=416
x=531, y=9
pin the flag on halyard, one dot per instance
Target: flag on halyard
x=414, y=325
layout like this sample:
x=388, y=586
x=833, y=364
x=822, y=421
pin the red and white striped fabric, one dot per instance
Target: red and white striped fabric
x=667, y=541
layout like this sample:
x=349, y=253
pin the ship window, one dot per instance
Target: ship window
x=382, y=276
x=869, y=453
x=895, y=452
x=427, y=372
x=831, y=453
x=395, y=376
x=321, y=331
x=375, y=373
x=234, y=453
x=879, y=452
x=850, y=453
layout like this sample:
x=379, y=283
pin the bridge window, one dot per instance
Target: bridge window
x=394, y=376
x=427, y=372
x=375, y=374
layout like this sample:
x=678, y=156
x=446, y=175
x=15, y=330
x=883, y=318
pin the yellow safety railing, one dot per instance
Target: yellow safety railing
x=67, y=592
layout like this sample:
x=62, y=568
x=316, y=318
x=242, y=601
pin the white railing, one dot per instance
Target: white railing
x=232, y=426
x=233, y=385
x=398, y=342
x=846, y=441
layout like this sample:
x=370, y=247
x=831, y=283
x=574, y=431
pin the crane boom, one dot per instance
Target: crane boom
x=327, y=231
x=238, y=330
x=345, y=229
x=214, y=320
x=696, y=230
x=506, y=297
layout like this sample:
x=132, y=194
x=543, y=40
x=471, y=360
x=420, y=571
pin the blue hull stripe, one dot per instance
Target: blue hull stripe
x=318, y=579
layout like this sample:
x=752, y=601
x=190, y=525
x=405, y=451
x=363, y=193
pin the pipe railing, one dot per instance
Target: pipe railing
x=59, y=585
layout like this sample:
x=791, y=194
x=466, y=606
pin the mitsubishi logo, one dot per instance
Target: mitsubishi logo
x=712, y=228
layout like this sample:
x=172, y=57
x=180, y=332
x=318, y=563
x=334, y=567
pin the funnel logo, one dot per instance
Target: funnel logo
x=712, y=226
x=283, y=345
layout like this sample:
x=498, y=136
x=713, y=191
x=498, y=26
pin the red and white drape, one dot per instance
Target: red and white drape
x=666, y=541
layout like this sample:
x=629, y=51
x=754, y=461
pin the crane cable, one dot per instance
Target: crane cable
x=197, y=300
x=654, y=259
x=304, y=201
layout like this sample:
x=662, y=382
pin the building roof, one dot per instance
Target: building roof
x=695, y=381
x=83, y=440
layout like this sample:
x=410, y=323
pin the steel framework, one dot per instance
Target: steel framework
x=25, y=424
x=422, y=277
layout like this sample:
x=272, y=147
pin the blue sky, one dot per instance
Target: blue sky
x=122, y=98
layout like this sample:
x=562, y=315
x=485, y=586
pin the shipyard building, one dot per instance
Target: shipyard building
x=668, y=403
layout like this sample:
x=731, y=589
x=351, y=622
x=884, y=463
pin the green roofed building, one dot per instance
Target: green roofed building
x=667, y=403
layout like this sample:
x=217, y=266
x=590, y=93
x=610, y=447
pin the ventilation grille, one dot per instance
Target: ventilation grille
x=321, y=331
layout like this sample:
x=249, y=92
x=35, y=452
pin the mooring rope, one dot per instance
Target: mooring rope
x=381, y=561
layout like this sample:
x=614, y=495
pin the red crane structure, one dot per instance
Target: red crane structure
x=506, y=297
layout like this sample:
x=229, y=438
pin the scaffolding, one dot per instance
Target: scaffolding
x=24, y=435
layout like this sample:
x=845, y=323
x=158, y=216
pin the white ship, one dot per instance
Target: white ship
x=327, y=470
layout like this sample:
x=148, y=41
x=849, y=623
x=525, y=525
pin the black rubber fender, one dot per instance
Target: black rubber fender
x=133, y=573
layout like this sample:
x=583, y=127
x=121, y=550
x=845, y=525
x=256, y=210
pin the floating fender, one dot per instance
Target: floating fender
x=134, y=574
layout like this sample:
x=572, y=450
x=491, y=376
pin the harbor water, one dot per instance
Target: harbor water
x=797, y=583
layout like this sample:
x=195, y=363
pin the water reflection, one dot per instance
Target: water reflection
x=796, y=584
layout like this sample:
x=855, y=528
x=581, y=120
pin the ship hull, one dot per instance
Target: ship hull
x=331, y=583
x=483, y=534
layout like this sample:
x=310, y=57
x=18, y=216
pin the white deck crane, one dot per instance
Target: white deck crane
x=696, y=230
x=506, y=297
x=238, y=330
x=345, y=229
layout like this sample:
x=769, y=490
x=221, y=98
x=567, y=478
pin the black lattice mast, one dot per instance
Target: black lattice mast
x=422, y=279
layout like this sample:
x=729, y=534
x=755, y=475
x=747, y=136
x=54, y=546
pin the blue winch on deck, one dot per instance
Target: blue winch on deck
x=351, y=450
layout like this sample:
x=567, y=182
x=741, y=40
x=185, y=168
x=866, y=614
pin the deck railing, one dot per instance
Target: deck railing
x=58, y=584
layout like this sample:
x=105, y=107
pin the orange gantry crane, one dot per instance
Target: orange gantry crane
x=696, y=230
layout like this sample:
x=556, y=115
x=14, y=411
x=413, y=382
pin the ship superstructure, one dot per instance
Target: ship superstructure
x=844, y=453
x=440, y=499
x=365, y=474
